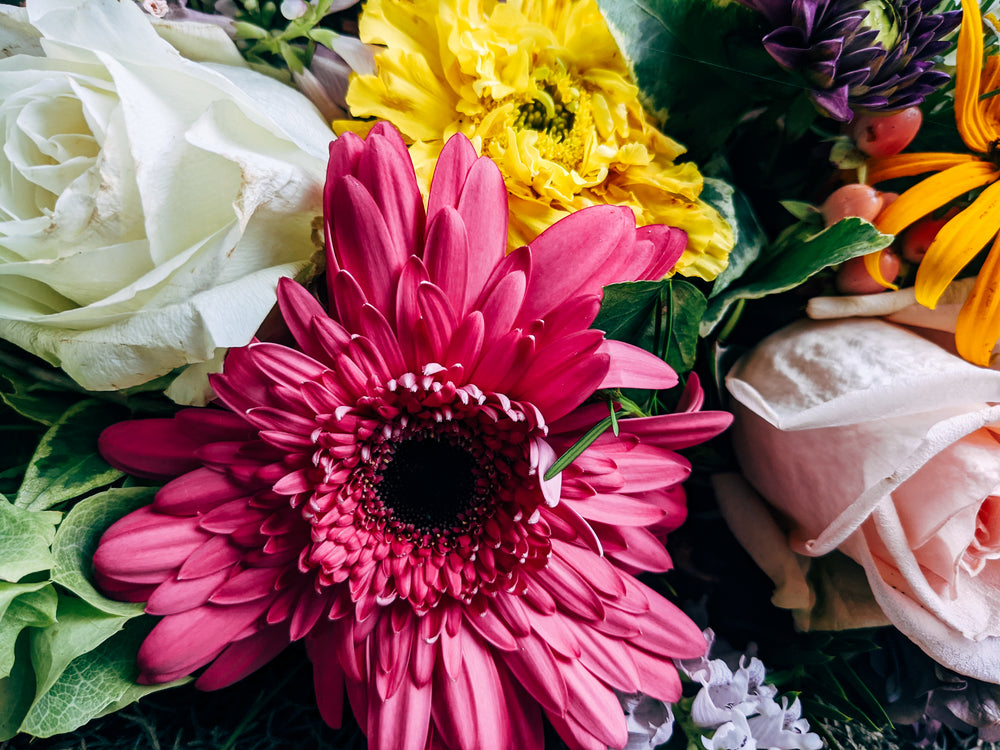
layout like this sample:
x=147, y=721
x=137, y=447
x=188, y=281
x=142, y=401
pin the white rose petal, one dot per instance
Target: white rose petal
x=148, y=203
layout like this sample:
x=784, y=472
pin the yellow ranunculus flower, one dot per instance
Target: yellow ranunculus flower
x=541, y=88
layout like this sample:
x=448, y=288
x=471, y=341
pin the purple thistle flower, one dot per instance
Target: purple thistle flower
x=871, y=55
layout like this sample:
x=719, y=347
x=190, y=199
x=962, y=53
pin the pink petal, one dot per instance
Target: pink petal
x=658, y=677
x=576, y=315
x=594, y=706
x=376, y=328
x=298, y=309
x=347, y=298
x=470, y=712
x=568, y=257
x=638, y=549
x=407, y=307
x=145, y=541
x=402, y=721
x=328, y=676
x=243, y=657
x=501, y=306
x=467, y=343
x=248, y=585
x=598, y=571
x=570, y=590
x=363, y=244
x=668, y=243
x=345, y=152
x=446, y=256
x=632, y=367
x=493, y=630
x=483, y=206
x=557, y=391
x=676, y=431
x=197, y=491
x=152, y=448
x=386, y=170
x=450, y=173
x=537, y=671
x=173, y=595
x=182, y=643
x=556, y=632
x=618, y=509
x=524, y=719
x=214, y=555
x=439, y=317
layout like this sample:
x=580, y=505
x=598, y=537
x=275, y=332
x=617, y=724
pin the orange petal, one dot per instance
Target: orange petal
x=933, y=192
x=979, y=322
x=988, y=85
x=956, y=244
x=874, y=267
x=907, y=165
x=969, y=116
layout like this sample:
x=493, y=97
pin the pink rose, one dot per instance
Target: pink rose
x=875, y=441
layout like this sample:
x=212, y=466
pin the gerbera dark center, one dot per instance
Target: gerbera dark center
x=429, y=483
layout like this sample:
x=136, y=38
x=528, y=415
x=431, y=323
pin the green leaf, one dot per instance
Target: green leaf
x=627, y=310
x=93, y=684
x=16, y=690
x=25, y=538
x=35, y=391
x=662, y=317
x=77, y=538
x=802, y=211
x=22, y=605
x=326, y=37
x=748, y=236
x=246, y=30
x=66, y=463
x=78, y=628
x=682, y=318
x=794, y=258
x=677, y=50
x=574, y=451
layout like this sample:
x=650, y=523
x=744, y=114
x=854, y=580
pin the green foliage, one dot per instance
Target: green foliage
x=25, y=538
x=799, y=253
x=76, y=541
x=267, y=38
x=91, y=683
x=66, y=463
x=661, y=317
x=64, y=656
x=677, y=50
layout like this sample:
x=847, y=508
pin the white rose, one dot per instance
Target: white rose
x=148, y=203
x=876, y=441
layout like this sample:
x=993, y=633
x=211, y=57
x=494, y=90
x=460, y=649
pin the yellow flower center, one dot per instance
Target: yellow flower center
x=558, y=110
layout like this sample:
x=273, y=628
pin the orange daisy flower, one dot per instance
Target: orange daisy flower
x=965, y=234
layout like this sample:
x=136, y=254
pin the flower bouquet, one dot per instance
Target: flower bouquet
x=481, y=375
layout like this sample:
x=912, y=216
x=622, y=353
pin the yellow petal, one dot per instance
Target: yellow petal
x=933, y=192
x=979, y=322
x=908, y=165
x=956, y=244
x=972, y=125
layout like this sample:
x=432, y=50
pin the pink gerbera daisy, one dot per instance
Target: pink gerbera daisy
x=379, y=491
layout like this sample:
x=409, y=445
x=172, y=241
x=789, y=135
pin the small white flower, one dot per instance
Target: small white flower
x=292, y=9
x=650, y=722
x=781, y=727
x=733, y=735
